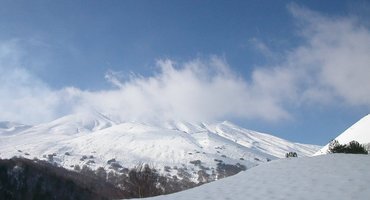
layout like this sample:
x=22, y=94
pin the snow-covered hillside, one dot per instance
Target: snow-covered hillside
x=94, y=140
x=339, y=176
x=360, y=131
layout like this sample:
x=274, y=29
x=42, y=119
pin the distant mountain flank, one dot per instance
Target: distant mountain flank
x=185, y=150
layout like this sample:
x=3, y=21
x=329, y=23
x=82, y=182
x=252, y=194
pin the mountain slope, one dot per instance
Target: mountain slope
x=173, y=147
x=360, y=131
x=323, y=177
x=262, y=142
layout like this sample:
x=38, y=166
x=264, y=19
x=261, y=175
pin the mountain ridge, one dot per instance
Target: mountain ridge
x=94, y=139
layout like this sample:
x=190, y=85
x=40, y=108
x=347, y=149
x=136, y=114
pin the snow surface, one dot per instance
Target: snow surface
x=100, y=139
x=334, y=176
x=360, y=131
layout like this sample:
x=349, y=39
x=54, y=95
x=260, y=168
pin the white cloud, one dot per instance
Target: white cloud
x=22, y=97
x=335, y=61
x=331, y=65
x=197, y=90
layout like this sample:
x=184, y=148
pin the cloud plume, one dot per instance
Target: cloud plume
x=196, y=90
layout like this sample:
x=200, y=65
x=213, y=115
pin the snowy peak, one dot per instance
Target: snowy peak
x=76, y=123
x=360, y=131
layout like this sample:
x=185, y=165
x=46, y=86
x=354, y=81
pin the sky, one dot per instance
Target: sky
x=295, y=69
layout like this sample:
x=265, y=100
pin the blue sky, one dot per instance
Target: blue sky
x=271, y=66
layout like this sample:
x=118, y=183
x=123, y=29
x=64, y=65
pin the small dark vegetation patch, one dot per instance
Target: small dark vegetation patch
x=196, y=162
x=89, y=162
x=116, y=166
x=84, y=157
x=51, y=157
x=111, y=161
x=353, y=147
x=225, y=170
x=167, y=168
x=291, y=155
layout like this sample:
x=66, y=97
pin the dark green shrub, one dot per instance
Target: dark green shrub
x=356, y=148
x=353, y=148
x=335, y=147
x=291, y=155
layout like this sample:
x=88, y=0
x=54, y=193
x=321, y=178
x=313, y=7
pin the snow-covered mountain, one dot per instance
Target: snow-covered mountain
x=94, y=140
x=360, y=131
x=335, y=176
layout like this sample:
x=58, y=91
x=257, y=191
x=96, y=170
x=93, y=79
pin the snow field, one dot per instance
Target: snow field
x=334, y=176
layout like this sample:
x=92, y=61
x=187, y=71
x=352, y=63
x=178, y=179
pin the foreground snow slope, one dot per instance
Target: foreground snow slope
x=360, y=131
x=334, y=176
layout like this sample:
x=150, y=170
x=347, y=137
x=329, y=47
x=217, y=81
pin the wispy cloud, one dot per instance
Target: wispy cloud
x=263, y=48
x=334, y=63
x=23, y=97
x=195, y=90
x=331, y=65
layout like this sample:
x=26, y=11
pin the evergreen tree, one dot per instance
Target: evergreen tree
x=356, y=148
x=335, y=147
x=291, y=154
x=353, y=147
